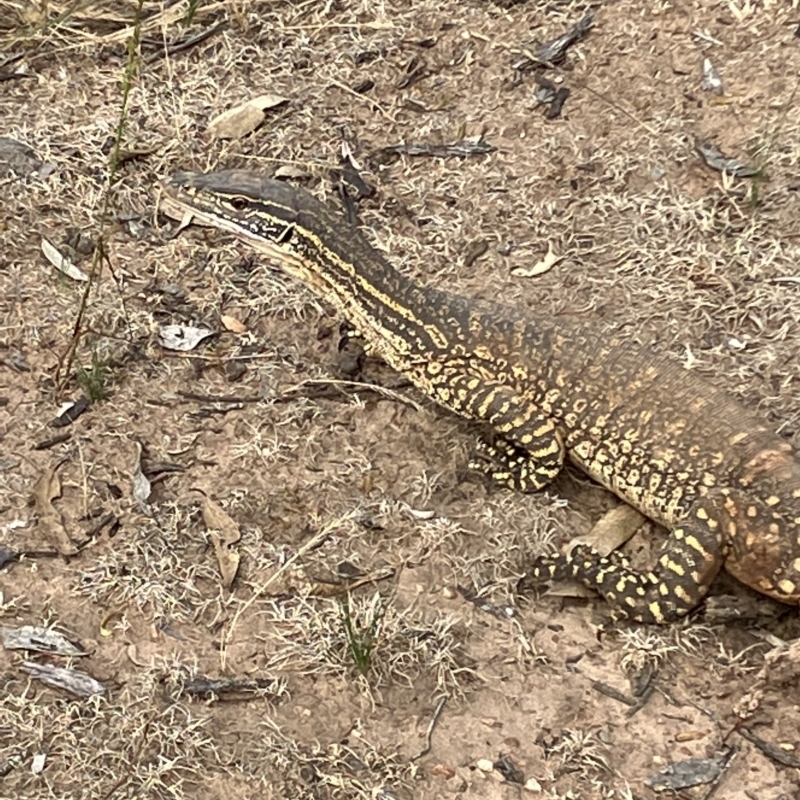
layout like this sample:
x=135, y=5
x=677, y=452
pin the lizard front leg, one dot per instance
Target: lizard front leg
x=528, y=452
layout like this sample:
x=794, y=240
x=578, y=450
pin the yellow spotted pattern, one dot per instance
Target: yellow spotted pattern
x=549, y=389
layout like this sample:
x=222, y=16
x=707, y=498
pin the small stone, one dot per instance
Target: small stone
x=485, y=764
x=443, y=771
x=532, y=785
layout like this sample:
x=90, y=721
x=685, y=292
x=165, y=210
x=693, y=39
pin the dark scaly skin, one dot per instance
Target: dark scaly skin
x=667, y=442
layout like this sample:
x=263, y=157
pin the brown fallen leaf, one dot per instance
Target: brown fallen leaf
x=245, y=118
x=133, y=656
x=232, y=324
x=47, y=489
x=217, y=519
x=609, y=533
x=614, y=528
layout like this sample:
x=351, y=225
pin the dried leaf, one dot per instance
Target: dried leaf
x=711, y=80
x=613, y=529
x=47, y=489
x=545, y=91
x=245, y=118
x=232, y=324
x=717, y=160
x=690, y=772
x=217, y=519
x=347, y=155
x=182, y=337
x=557, y=106
x=291, y=171
x=475, y=251
x=133, y=656
x=556, y=49
x=540, y=267
x=71, y=680
x=61, y=262
x=228, y=560
x=70, y=411
x=609, y=533
x=43, y=640
x=351, y=176
x=231, y=688
x=18, y=158
x=141, y=485
x=7, y=555
x=108, y=618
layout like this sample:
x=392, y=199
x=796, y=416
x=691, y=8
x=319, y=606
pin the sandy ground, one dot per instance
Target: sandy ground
x=363, y=663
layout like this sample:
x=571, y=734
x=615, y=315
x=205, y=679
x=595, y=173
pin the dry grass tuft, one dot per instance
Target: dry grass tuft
x=141, y=743
x=167, y=568
x=367, y=637
x=354, y=769
x=579, y=751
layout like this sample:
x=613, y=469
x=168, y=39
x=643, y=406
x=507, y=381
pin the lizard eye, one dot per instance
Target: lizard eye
x=238, y=203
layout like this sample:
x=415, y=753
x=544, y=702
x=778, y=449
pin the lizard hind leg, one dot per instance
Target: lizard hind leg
x=688, y=563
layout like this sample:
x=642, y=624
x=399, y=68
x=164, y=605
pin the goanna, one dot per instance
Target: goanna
x=667, y=442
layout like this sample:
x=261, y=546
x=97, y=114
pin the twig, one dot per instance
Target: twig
x=345, y=88
x=64, y=365
x=220, y=398
x=320, y=536
x=171, y=48
x=431, y=725
x=627, y=113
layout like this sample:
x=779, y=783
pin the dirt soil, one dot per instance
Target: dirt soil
x=243, y=512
